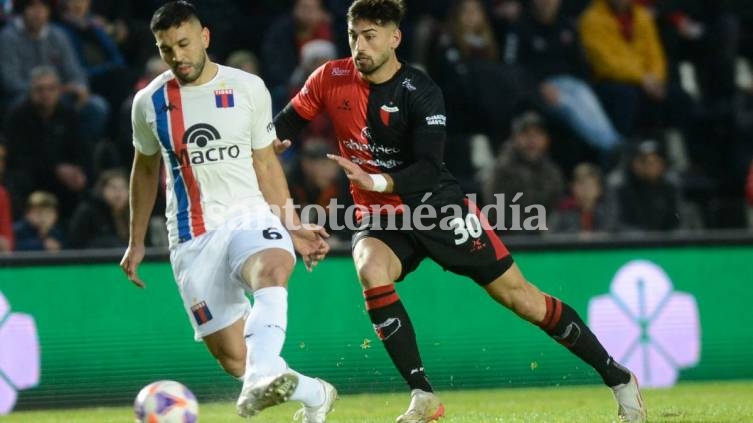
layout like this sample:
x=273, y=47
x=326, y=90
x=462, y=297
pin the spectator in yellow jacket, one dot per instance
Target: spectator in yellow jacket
x=627, y=60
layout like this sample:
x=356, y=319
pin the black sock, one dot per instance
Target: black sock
x=394, y=328
x=563, y=324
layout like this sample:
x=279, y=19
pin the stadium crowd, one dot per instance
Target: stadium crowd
x=615, y=115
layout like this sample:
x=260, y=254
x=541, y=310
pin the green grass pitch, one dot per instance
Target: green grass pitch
x=717, y=402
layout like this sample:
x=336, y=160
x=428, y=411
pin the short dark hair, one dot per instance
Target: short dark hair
x=173, y=14
x=377, y=11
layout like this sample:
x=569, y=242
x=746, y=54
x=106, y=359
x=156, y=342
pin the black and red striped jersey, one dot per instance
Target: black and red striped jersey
x=396, y=127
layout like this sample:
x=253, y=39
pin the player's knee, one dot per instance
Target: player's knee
x=525, y=302
x=521, y=297
x=275, y=275
x=272, y=270
x=373, y=274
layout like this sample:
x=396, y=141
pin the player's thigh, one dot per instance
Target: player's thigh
x=377, y=264
x=467, y=245
x=228, y=345
x=212, y=299
x=261, y=254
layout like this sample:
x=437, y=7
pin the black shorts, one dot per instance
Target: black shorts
x=468, y=246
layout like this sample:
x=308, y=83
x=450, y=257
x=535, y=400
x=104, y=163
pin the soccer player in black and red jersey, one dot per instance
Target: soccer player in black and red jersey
x=389, y=120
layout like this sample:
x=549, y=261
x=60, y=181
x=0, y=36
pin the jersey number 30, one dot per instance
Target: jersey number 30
x=470, y=227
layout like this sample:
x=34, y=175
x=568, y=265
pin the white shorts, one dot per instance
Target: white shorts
x=207, y=269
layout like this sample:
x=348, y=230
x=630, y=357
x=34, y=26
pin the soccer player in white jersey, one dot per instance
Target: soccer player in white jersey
x=213, y=127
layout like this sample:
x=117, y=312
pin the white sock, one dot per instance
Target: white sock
x=266, y=325
x=309, y=391
x=265, y=332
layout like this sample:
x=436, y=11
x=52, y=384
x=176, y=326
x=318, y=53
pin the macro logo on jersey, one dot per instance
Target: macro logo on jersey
x=200, y=135
x=19, y=355
x=224, y=98
x=647, y=325
x=201, y=313
x=385, y=112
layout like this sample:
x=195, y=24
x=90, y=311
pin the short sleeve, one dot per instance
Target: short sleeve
x=262, y=128
x=308, y=102
x=144, y=139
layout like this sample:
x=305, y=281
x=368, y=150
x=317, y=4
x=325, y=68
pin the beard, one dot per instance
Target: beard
x=197, y=68
x=368, y=65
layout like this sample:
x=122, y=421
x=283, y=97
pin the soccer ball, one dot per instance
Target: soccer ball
x=166, y=401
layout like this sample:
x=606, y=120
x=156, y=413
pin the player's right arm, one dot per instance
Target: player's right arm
x=143, y=193
x=143, y=189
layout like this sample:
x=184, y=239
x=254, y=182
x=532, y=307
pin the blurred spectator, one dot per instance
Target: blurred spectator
x=647, y=199
x=6, y=8
x=44, y=148
x=126, y=24
x=314, y=54
x=96, y=51
x=547, y=45
x=524, y=166
x=154, y=67
x=244, y=60
x=38, y=230
x=121, y=154
x=504, y=14
x=101, y=221
x=588, y=208
x=283, y=41
x=482, y=94
x=627, y=59
x=707, y=34
x=316, y=181
x=466, y=40
x=6, y=214
x=31, y=41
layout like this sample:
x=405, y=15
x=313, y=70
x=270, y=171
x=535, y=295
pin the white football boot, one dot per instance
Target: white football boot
x=631, y=407
x=265, y=392
x=424, y=407
x=318, y=414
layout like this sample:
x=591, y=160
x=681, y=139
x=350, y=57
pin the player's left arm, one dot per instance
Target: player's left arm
x=308, y=239
x=274, y=186
x=427, y=115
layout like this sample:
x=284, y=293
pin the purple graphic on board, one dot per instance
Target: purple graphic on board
x=646, y=325
x=19, y=355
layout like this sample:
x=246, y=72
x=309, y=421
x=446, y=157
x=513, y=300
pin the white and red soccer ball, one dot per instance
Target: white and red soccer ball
x=166, y=401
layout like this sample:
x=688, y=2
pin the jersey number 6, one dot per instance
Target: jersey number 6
x=271, y=233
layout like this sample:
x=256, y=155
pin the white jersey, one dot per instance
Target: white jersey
x=206, y=134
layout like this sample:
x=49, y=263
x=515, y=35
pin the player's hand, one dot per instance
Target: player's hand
x=130, y=263
x=355, y=174
x=309, y=241
x=280, y=146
